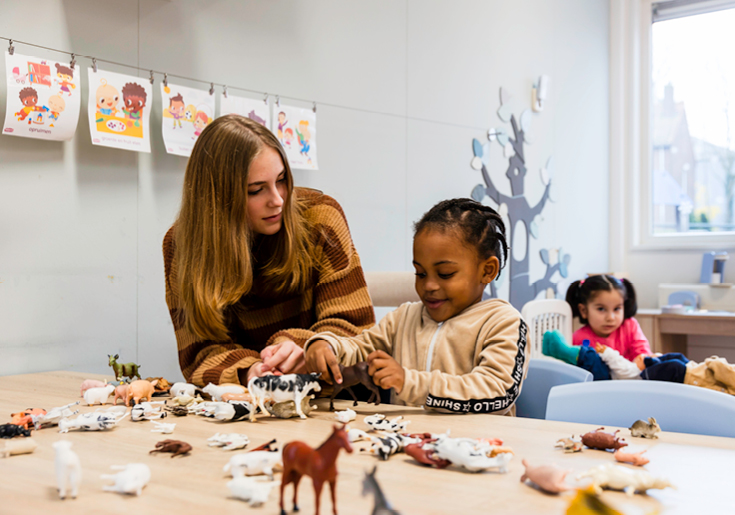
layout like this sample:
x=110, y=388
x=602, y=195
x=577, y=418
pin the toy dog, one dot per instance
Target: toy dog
x=176, y=447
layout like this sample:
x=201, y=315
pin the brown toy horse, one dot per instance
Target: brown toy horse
x=352, y=376
x=299, y=459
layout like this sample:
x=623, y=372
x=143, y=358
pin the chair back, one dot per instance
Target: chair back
x=543, y=374
x=391, y=289
x=546, y=315
x=680, y=408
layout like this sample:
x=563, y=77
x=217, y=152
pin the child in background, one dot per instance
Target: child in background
x=452, y=351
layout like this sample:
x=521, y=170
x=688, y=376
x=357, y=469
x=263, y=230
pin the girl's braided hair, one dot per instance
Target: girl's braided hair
x=480, y=226
x=581, y=292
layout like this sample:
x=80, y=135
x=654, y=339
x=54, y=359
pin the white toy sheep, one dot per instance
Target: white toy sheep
x=98, y=395
x=254, y=463
x=68, y=469
x=251, y=490
x=131, y=479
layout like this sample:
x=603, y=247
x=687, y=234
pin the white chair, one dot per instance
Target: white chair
x=546, y=315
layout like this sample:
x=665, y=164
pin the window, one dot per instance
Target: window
x=692, y=124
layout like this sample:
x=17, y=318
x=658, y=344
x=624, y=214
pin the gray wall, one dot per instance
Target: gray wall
x=410, y=83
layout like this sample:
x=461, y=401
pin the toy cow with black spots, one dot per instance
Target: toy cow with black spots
x=289, y=387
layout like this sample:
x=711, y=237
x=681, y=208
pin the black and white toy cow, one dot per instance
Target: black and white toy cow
x=289, y=387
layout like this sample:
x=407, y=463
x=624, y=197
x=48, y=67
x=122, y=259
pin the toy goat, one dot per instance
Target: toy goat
x=645, y=429
x=600, y=440
x=289, y=387
x=254, y=463
x=68, y=469
x=131, y=479
x=352, y=376
x=345, y=416
x=12, y=430
x=123, y=369
x=175, y=447
x=183, y=389
x=229, y=442
x=622, y=478
x=636, y=459
x=98, y=395
x=138, y=390
x=251, y=490
x=549, y=478
x=95, y=421
x=216, y=391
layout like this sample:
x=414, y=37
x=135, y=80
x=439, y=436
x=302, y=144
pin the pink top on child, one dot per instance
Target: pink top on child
x=628, y=339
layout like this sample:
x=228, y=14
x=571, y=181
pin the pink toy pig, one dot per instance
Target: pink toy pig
x=121, y=392
x=632, y=458
x=140, y=389
x=91, y=383
x=549, y=478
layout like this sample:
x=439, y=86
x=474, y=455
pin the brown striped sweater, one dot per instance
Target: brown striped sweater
x=337, y=302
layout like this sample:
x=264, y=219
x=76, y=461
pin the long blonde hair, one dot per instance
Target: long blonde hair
x=214, y=240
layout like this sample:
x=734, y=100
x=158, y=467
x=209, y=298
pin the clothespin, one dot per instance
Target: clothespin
x=314, y=107
x=211, y=88
x=73, y=62
x=151, y=76
x=224, y=91
x=265, y=99
x=278, y=100
x=165, y=80
x=94, y=65
x=11, y=48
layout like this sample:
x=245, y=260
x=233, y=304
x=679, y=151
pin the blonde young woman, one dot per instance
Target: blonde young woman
x=255, y=267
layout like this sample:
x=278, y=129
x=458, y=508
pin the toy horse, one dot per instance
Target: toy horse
x=123, y=369
x=300, y=459
x=381, y=505
x=352, y=376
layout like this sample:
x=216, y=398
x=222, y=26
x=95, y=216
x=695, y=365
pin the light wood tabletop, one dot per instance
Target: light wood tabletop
x=699, y=466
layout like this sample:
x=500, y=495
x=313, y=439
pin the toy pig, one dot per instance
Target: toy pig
x=131, y=479
x=98, y=395
x=91, y=383
x=549, y=478
x=68, y=468
x=602, y=441
x=645, y=429
x=138, y=390
x=632, y=458
x=121, y=392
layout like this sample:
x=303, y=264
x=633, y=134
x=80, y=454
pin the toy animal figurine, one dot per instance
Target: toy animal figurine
x=186, y=400
x=91, y=383
x=27, y=417
x=131, y=479
x=378, y=422
x=287, y=409
x=95, y=421
x=160, y=427
x=600, y=440
x=425, y=455
x=183, y=389
x=633, y=458
x=232, y=411
x=98, y=395
x=289, y=387
x=549, y=478
x=300, y=459
x=622, y=478
x=175, y=447
x=254, y=463
x=138, y=390
x=123, y=369
x=54, y=415
x=216, y=391
x=352, y=376
x=229, y=442
x=569, y=445
x=239, y=397
x=162, y=386
x=147, y=411
x=356, y=435
x=345, y=416
x=645, y=429
x=177, y=411
x=121, y=392
x=14, y=447
x=466, y=454
x=68, y=469
x=370, y=485
x=12, y=430
x=252, y=490
x=390, y=444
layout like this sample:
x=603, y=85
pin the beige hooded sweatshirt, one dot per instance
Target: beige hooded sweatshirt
x=473, y=362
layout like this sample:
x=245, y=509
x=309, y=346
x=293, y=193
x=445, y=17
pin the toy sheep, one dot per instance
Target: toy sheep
x=183, y=389
x=216, y=391
x=645, y=429
x=345, y=416
x=68, y=469
x=131, y=479
x=254, y=463
x=229, y=442
x=549, y=478
x=617, y=477
x=251, y=490
x=98, y=395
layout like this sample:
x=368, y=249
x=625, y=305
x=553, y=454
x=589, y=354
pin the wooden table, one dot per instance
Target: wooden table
x=699, y=466
x=668, y=332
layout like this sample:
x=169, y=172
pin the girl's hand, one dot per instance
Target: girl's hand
x=386, y=371
x=286, y=357
x=256, y=371
x=320, y=358
x=639, y=360
x=600, y=348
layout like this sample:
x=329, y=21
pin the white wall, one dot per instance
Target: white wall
x=410, y=83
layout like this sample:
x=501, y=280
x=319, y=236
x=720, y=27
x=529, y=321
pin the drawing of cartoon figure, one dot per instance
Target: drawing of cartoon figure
x=200, y=121
x=281, y=125
x=304, y=138
x=256, y=118
x=107, y=98
x=289, y=137
x=64, y=76
x=176, y=109
x=190, y=113
x=56, y=105
x=134, y=98
x=29, y=98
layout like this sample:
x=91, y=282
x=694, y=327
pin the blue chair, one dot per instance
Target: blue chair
x=543, y=374
x=677, y=407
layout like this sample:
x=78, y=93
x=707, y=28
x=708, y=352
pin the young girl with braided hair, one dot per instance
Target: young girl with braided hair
x=452, y=351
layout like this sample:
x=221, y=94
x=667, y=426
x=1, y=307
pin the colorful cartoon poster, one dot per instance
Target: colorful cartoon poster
x=119, y=110
x=295, y=128
x=186, y=112
x=257, y=110
x=43, y=98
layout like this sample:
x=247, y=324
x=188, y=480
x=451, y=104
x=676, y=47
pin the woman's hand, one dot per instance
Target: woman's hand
x=286, y=357
x=320, y=358
x=386, y=371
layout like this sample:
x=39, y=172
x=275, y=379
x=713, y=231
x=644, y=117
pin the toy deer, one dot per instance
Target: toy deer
x=123, y=369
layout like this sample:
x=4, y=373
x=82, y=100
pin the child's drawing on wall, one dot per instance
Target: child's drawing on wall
x=288, y=137
x=254, y=117
x=56, y=105
x=257, y=110
x=299, y=136
x=190, y=111
x=134, y=98
x=107, y=98
x=304, y=138
x=176, y=109
x=64, y=78
x=282, y=121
